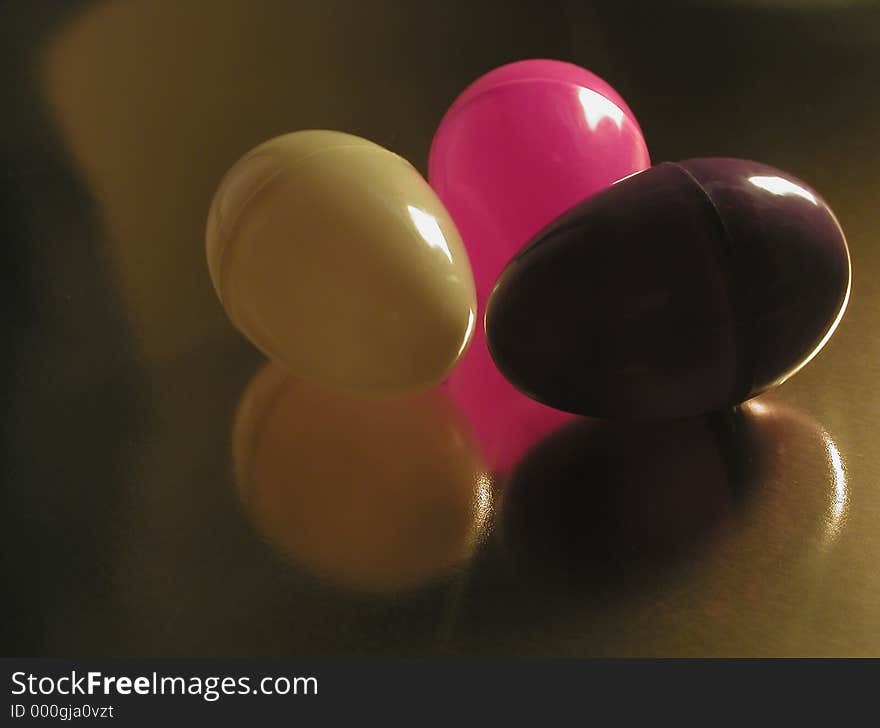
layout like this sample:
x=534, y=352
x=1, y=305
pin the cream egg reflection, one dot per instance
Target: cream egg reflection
x=369, y=495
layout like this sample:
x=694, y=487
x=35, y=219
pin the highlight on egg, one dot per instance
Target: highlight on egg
x=683, y=289
x=334, y=257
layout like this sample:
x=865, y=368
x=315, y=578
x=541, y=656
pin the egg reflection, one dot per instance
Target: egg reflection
x=373, y=496
x=505, y=422
x=603, y=498
x=612, y=497
x=802, y=449
x=722, y=535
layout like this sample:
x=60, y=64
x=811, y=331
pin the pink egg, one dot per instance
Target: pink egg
x=520, y=146
x=505, y=423
x=516, y=149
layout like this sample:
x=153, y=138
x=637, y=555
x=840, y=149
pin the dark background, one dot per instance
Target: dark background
x=122, y=530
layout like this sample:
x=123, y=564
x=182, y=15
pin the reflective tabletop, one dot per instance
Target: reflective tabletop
x=166, y=491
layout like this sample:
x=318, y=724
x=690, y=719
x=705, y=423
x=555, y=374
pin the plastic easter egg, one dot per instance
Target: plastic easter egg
x=335, y=257
x=680, y=290
x=520, y=146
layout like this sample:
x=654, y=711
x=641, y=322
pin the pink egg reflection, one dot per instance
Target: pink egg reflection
x=520, y=146
x=505, y=423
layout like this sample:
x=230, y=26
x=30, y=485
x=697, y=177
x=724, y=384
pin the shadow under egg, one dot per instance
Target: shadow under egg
x=609, y=500
x=370, y=496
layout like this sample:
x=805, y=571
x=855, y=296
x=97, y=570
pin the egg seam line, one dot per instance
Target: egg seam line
x=223, y=253
x=292, y=165
x=744, y=383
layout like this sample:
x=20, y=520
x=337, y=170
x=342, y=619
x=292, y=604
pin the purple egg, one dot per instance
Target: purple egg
x=679, y=290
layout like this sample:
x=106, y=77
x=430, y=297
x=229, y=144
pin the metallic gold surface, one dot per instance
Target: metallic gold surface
x=124, y=533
